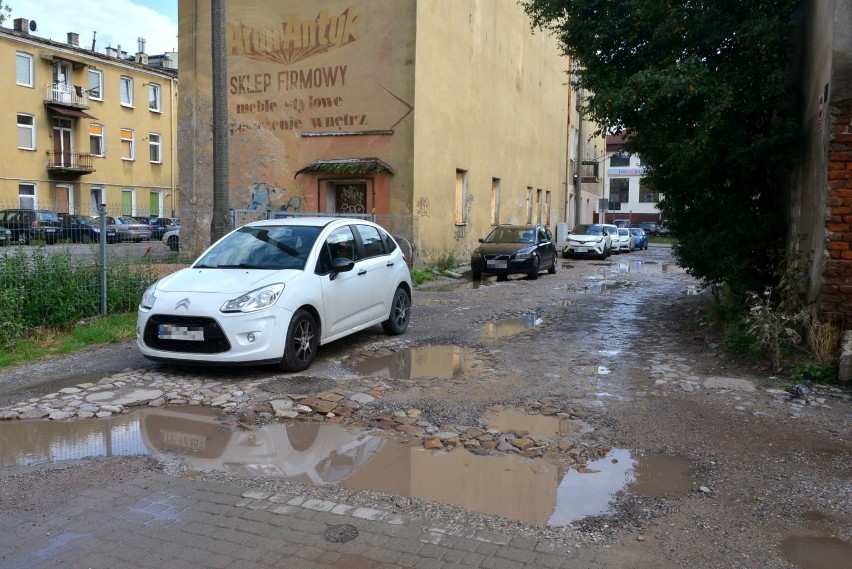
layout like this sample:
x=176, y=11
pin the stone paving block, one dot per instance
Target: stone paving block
x=472, y=559
x=319, y=505
x=342, y=510
x=548, y=560
x=404, y=545
x=407, y=560
x=498, y=563
x=257, y=494
x=515, y=554
x=487, y=549
x=461, y=543
x=368, y=514
x=308, y=552
x=383, y=555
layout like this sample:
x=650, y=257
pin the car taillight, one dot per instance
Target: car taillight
x=35, y=224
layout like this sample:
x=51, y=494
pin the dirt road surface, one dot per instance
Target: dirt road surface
x=740, y=474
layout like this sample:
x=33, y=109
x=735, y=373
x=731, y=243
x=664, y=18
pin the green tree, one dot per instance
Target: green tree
x=5, y=12
x=700, y=88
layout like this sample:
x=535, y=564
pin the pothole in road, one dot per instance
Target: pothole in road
x=637, y=266
x=817, y=552
x=606, y=286
x=508, y=327
x=442, y=362
x=532, y=490
x=534, y=424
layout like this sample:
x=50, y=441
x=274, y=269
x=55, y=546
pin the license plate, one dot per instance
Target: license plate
x=50, y=230
x=496, y=264
x=170, y=332
x=580, y=249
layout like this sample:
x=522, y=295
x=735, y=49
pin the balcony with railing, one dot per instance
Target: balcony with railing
x=73, y=163
x=72, y=96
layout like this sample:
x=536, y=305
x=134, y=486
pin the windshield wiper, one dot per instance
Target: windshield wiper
x=237, y=266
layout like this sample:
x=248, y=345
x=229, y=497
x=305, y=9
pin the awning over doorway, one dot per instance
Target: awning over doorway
x=69, y=112
x=347, y=166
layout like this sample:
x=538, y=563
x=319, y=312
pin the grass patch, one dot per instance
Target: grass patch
x=46, y=341
x=420, y=276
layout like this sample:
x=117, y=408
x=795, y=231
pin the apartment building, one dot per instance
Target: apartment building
x=627, y=197
x=89, y=128
x=452, y=115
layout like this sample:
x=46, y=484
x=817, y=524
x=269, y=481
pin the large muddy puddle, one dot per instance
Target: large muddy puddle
x=529, y=490
x=442, y=362
x=508, y=327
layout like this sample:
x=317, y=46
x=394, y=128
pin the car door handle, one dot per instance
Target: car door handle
x=390, y=264
x=362, y=272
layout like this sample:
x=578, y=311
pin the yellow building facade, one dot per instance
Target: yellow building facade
x=90, y=128
x=444, y=118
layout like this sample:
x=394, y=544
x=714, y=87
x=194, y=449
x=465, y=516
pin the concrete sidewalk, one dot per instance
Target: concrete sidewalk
x=165, y=522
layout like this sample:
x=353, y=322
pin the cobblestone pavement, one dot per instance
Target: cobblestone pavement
x=165, y=522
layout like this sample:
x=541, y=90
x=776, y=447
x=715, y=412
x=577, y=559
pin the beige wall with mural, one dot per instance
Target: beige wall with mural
x=492, y=101
x=434, y=90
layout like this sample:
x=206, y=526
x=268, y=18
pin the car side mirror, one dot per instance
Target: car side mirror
x=341, y=265
x=481, y=240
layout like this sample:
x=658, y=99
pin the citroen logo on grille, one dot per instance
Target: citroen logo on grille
x=183, y=304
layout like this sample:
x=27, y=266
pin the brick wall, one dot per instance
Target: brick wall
x=835, y=298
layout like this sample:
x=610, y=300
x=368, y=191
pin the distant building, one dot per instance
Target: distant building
x=90, y=128
x=626, y=197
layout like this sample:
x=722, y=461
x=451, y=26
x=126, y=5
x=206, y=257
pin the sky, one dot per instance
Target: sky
x=117, y=22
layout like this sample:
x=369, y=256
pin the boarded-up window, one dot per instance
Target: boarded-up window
x=461, y=197
x=495, y=201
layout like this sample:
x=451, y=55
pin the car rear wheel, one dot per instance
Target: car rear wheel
x=85, y=237
x=301, y=344
x=397, y=323
x=23, y=238
x=553, y=267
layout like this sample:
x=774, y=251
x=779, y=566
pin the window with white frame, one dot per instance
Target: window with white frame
x=26, y=196
x=97, y=145
x=154, y=97
x=96, y=84
x=155, y=147
x=24, y=69
x=126, y=90
x=128, y=144
x=26, y=132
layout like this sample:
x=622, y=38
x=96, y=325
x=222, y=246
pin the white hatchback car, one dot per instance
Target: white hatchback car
x=274, y=291
x=625, y=240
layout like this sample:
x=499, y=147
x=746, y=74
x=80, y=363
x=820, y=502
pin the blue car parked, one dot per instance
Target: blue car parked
x=640, y=239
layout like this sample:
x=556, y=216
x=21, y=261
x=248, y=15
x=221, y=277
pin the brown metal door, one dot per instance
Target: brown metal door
x=350, y=198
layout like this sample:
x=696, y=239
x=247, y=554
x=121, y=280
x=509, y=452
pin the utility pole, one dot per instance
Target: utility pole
x=221, y=192
x=578, y=201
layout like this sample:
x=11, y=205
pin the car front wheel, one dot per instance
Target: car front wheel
x=302, y=341
x=553, y=267
x=533, y=274
x=400, y=311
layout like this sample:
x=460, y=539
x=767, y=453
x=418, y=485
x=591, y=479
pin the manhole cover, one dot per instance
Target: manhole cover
x=298, y=384
x=341, y=533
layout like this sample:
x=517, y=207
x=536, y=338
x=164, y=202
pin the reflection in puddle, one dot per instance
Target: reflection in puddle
x=443, y=362
x=817, y=552
x=329, y=454
x=509, y=327
x=590, y=492
x=607, y=285
x=537, y=425
x=566, y=303
x=24, y=443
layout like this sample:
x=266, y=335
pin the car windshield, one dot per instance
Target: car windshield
x=273, y=247
x=623, y=231
x=636, y=231
x=587, y=230
x=511, y=235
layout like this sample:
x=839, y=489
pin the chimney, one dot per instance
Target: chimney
x=73, y=39
x=141, y=56
x=22, y=25
x=110, y=51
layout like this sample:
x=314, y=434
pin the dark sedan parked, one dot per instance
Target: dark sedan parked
x=514, y=249
x=84, y=229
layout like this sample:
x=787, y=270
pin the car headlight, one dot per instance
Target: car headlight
x=476, y=253
x=522, y=256
x=149, y=298
x=255, y=300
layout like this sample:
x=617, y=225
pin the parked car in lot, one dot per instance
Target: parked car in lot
x=663, y=230
x=273, y=291
x=161, y=225
x=640, y=240
x=588, y=240
x=515, y=249
x=172, y=239
x=625, y=240
x=612, y=231
x=128, y=229
x=621, y=222
x=5, y=236
x=650, y=227
x=84, y=229
x=31, y=225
